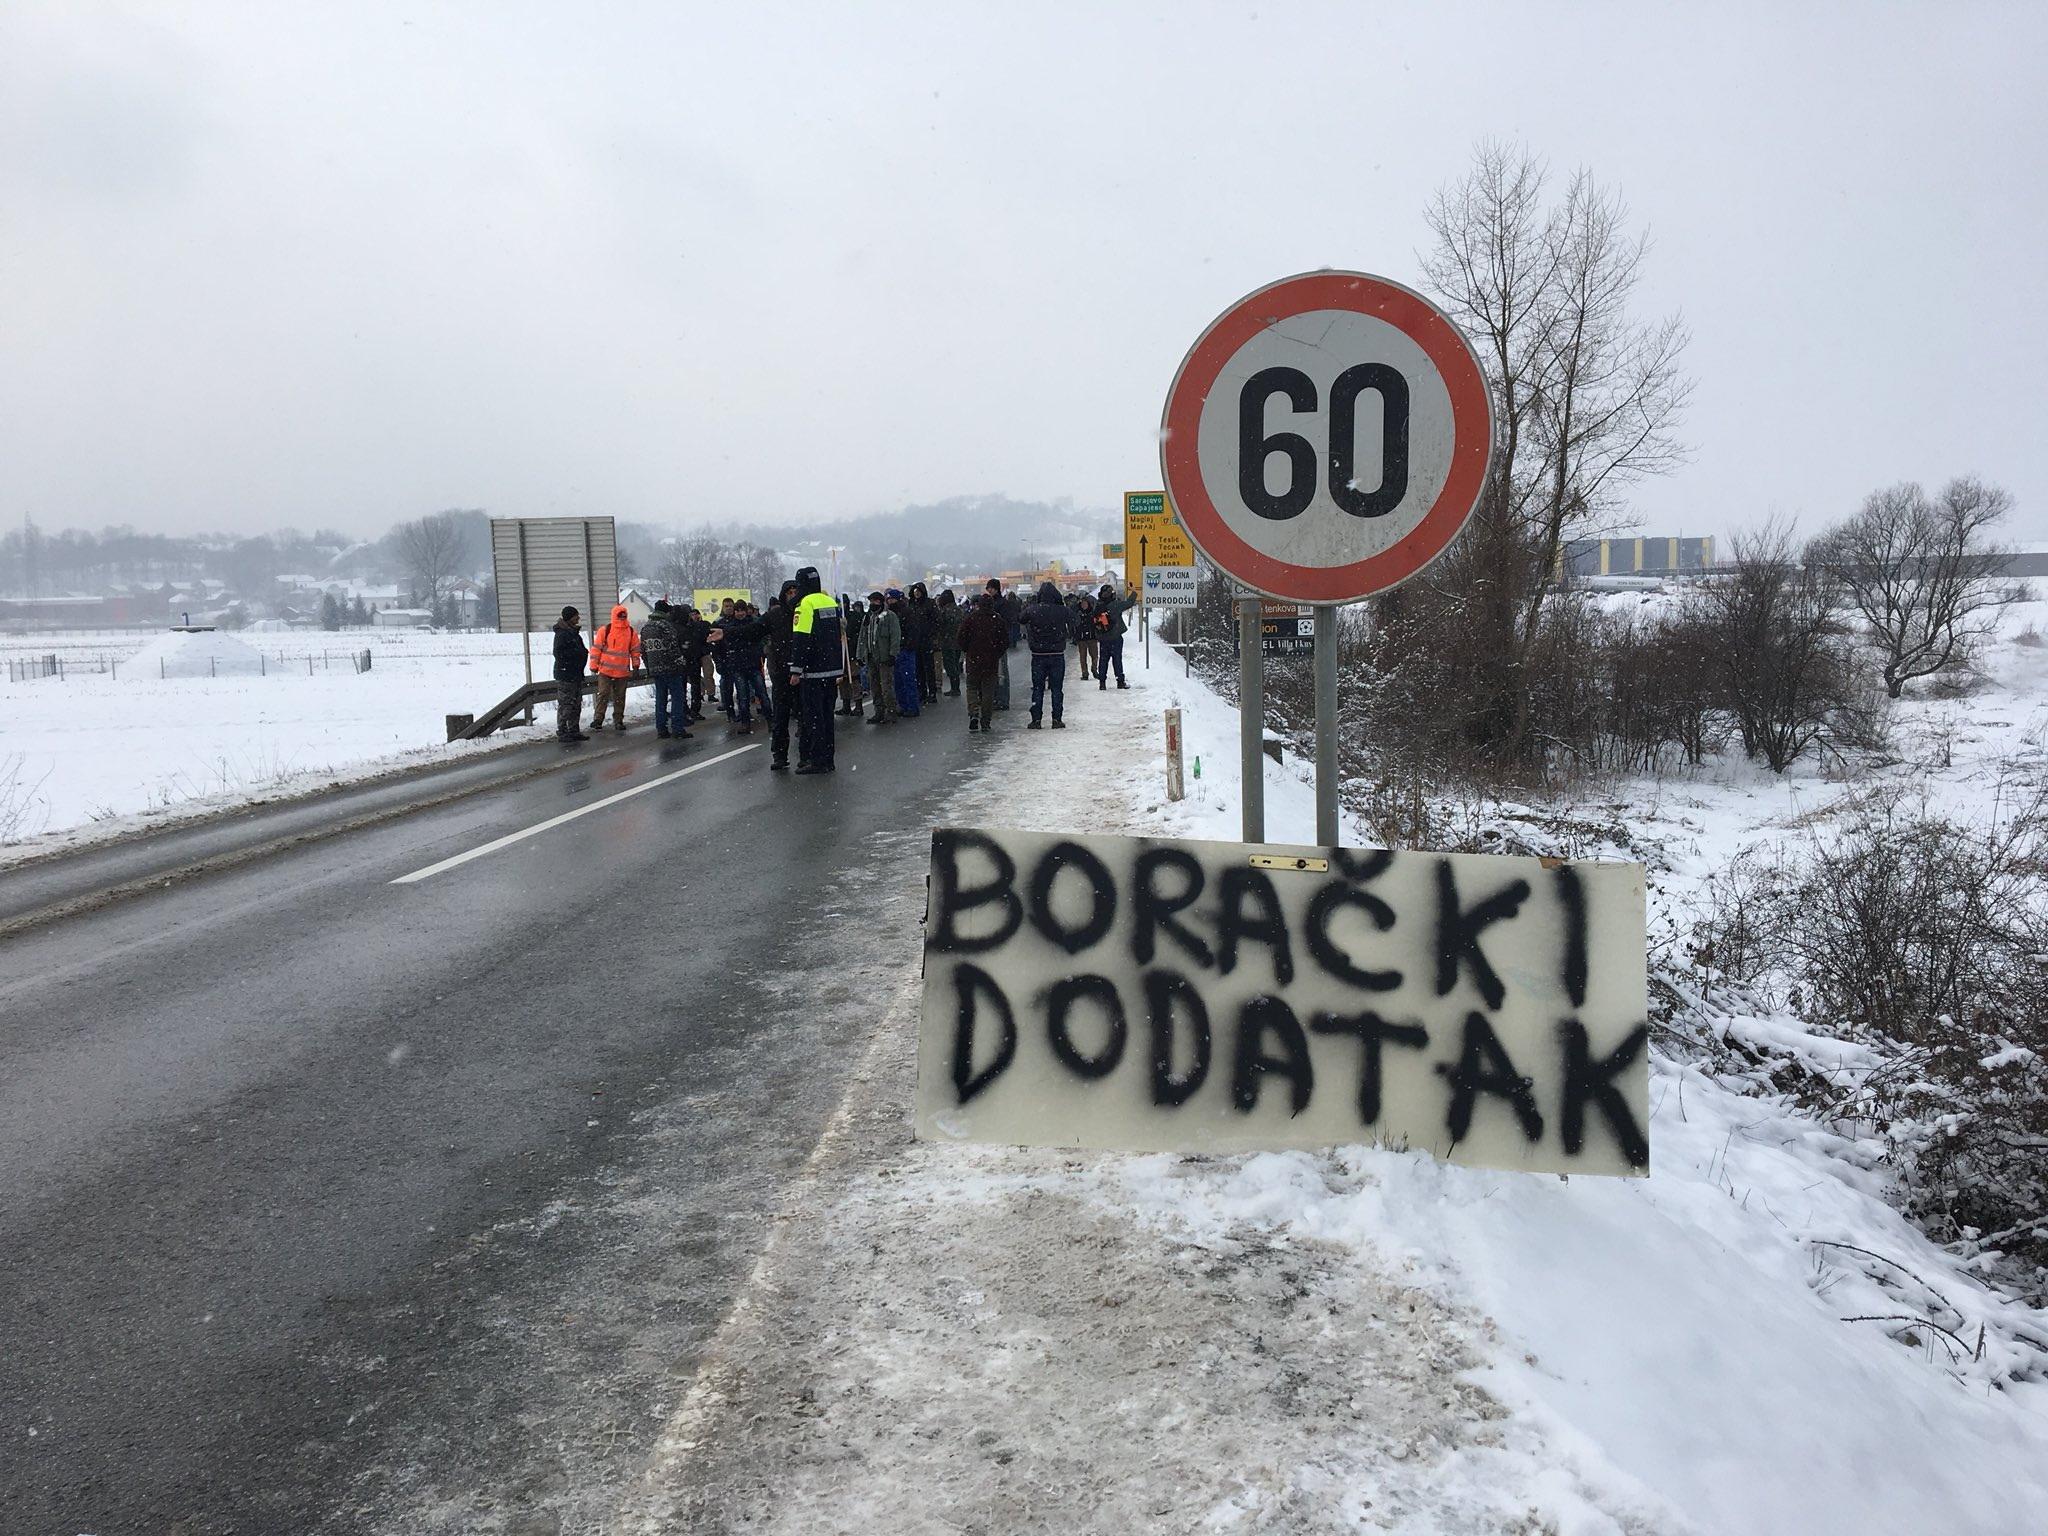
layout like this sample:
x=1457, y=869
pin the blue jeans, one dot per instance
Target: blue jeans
x=746, y=687
x=747, y=684
x=671, y=707
x=1047, y=671
x=1112, y=656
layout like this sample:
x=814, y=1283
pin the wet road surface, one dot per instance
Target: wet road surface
x=323, y=1198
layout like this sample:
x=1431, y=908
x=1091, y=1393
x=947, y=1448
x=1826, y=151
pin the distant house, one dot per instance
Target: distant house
x=402, y=618
x=379, y=598
x=466, y=599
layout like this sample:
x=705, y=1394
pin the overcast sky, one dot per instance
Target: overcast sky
x=267, y=264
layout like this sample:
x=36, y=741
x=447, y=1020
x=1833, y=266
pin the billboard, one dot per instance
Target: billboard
x=706, y=599
x=545, y=564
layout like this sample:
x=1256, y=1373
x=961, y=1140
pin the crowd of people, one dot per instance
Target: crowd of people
x=806, y=658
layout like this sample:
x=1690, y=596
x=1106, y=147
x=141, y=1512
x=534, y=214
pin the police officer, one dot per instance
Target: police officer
x=815, y=658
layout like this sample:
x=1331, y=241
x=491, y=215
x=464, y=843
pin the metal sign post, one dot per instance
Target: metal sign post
x=1371, y=408
x=525, y=606
x=1251, y=718
x=1326, y=724
x=1175, y=788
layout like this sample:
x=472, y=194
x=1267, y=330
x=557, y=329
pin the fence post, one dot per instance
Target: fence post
x=1174, y=788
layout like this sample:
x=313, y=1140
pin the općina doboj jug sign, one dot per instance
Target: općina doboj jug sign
x=1157, y=995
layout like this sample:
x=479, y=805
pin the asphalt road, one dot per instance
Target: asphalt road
x=331, y=1203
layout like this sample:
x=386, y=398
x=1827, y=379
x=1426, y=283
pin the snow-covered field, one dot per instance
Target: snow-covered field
x=946, y=1338
x=95, y=753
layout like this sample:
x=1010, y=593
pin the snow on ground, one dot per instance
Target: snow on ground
x=94, y=754
x=988, y=1339
x=197, y=653
x=945, y=1338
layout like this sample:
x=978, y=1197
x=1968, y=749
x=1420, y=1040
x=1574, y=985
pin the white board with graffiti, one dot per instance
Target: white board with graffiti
x=1168, y=995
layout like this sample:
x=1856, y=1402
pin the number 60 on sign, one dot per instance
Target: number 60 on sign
x=1326, y=437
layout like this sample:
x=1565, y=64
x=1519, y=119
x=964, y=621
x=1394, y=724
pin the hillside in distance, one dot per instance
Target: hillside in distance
x=978, y=532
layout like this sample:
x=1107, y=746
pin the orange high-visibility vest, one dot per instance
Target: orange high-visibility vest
x=615, y=649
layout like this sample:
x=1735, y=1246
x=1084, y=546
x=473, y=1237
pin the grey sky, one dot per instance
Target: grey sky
x=337, y=264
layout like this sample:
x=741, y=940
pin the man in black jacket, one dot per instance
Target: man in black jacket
x=696, y=632
x=744, y=637
x=570, y=656
x=1048, y=625
x=783, y=689
x=921, y=634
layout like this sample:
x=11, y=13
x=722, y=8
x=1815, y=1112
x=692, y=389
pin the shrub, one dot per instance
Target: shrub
x=1925, y=938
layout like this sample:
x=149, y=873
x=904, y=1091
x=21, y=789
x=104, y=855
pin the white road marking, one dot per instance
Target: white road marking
x=582, y=810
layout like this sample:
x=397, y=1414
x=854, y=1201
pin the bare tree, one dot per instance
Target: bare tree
x=431, y=548
x=699, y=560
x=1589, y=397
x=1774, y=631
x=1920, y=572
x=760, y=569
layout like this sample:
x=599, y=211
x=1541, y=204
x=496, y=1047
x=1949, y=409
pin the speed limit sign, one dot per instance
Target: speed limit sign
x=1326, y=437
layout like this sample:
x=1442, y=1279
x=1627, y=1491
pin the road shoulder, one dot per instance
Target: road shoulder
x=945, y=1339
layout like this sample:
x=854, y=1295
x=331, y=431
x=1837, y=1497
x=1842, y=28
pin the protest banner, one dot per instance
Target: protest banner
x=1170, y=995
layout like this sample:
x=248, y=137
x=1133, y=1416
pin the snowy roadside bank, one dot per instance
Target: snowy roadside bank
x=952, y=1339
x=96, y=757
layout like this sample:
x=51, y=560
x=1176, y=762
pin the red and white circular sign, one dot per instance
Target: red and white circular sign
x=1326, y=437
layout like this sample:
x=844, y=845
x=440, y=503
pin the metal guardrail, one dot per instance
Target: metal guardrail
x=519, y=702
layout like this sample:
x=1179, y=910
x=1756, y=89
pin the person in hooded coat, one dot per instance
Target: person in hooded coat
x=1086, y=641
x=909, y=701
x=921, y=634
x=851, y=614
x=1048, y=626
x=696, y=632
x=614, y=657
x=881, y=640
x=785, y=686
x=984, y=639
x=950, y=616
x=1109, y=629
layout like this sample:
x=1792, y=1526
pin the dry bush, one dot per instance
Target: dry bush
x=1926, y=939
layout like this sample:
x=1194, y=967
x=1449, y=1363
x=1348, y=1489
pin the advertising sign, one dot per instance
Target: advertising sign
x=706, y=599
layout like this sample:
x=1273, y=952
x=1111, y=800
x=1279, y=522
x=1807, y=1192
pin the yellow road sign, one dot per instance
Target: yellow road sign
x=1152, y=536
